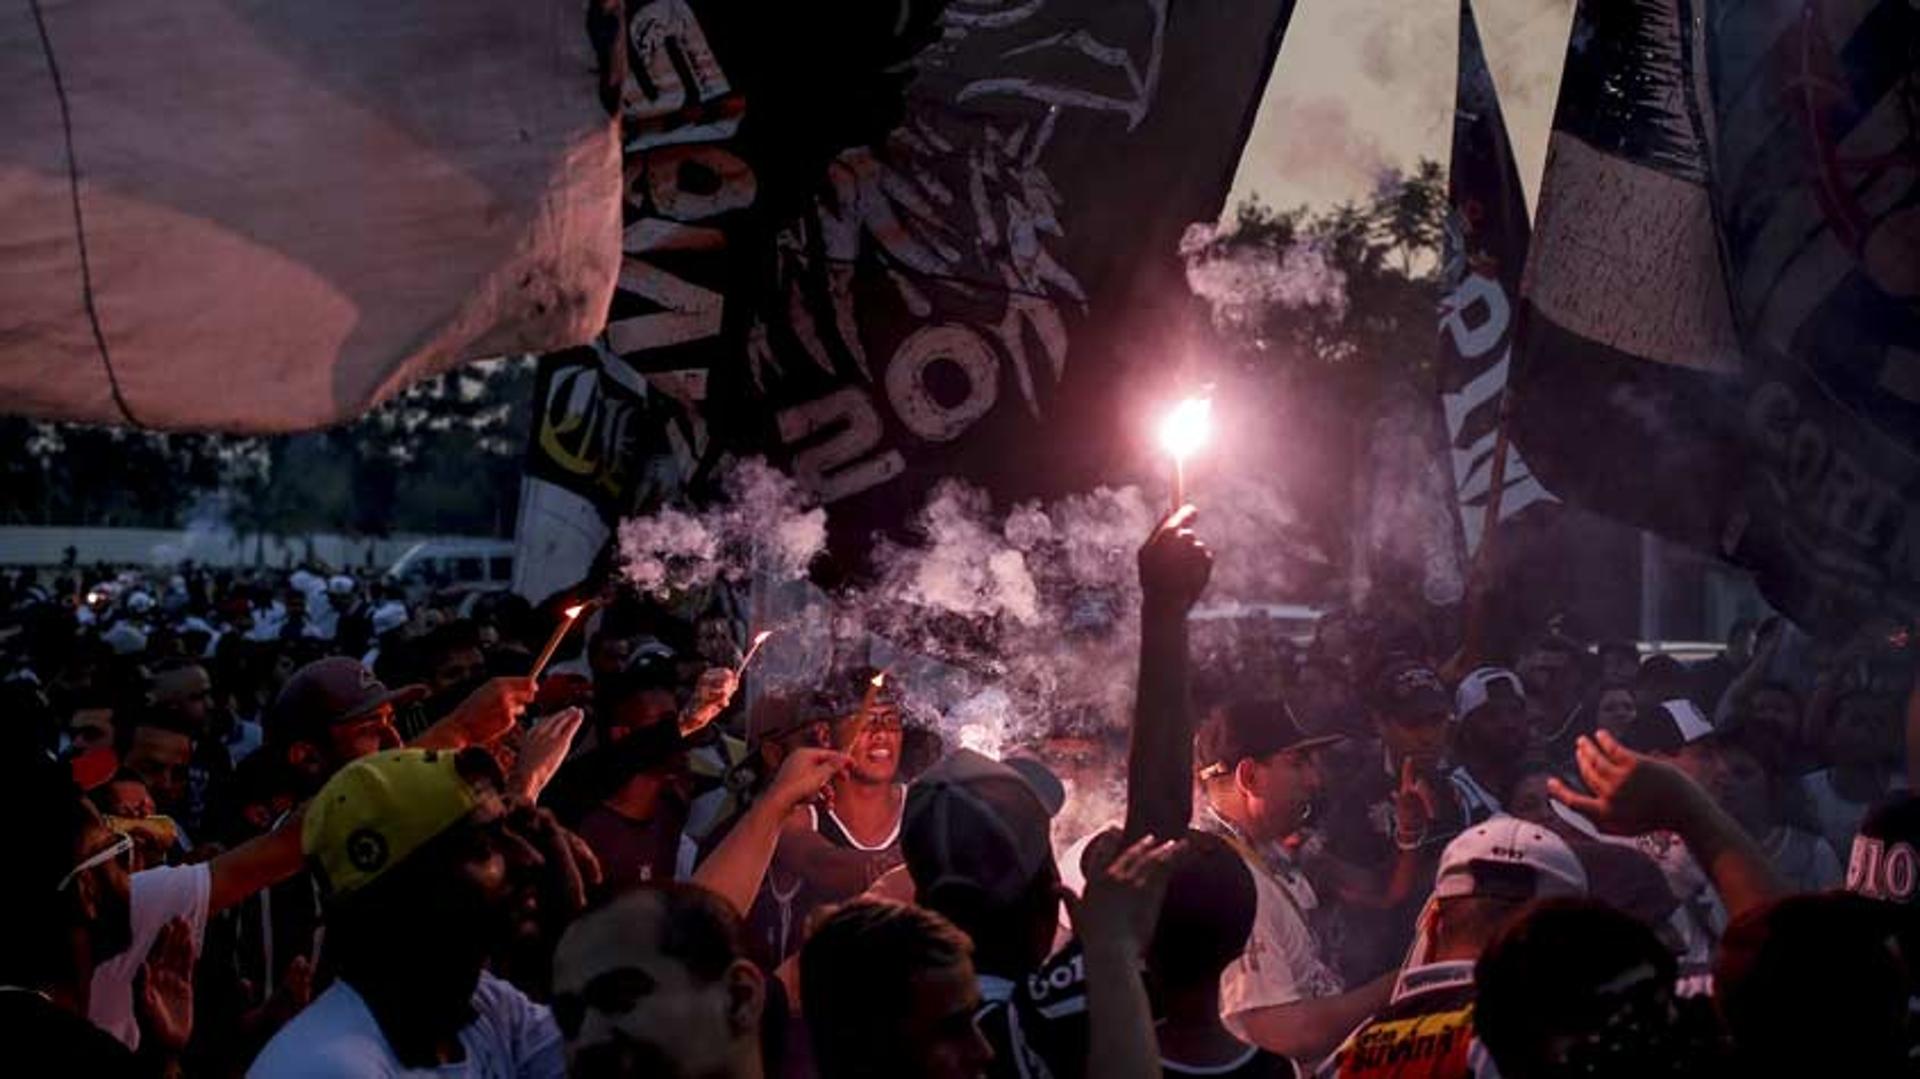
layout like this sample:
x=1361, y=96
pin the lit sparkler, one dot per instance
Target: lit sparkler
x=753, y=649
x=573, y=614
x=1183, y=432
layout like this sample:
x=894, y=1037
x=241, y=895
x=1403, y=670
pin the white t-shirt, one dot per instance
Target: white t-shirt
x=158, y=896
x=1282, y=963
x=1840, y=817
x=337, y=1037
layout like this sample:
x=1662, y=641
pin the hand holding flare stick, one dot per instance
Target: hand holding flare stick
x=573, y=614
x=1182, y=432
x=864, y=717
x=753, y=649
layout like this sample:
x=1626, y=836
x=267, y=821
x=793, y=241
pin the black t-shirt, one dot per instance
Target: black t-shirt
x=45, y=1039
x=1037, y=1025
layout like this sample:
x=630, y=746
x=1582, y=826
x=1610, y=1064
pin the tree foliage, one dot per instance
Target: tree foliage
x=442, y=456
x=1330, y=369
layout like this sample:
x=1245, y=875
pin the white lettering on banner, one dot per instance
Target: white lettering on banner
x=1476, y=317
x=677, y=103
x=1878, y=871
x=951, y=232
x=961, y=349
x=1476, y=292
x=692, y=313
x=667, y=39
x=835, y=468
x=1828, y=494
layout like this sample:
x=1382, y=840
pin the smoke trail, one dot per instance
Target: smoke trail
x=1242, y=282
x=765, y=525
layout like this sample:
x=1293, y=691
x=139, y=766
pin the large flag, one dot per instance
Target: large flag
x=269, y=216
x=881, y=286
x=1816, y=112
x=1720, y=315
x=1486, y=251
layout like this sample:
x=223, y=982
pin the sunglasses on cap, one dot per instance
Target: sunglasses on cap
x=122, y=845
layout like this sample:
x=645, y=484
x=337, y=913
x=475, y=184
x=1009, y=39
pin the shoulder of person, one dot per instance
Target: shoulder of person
x=334, y=1037
x=166, y=892
x=1057, y=988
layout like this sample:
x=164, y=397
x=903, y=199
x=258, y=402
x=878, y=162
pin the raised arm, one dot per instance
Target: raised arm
x=1114, y=922
x=1634, y=794
x=1766, y=645
x=1310, y=1029
x=738, y=865
x=257, y=864
x=1174, y=567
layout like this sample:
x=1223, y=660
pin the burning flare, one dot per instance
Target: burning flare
x=753, y=649
x=573, y=614
x=1185, y=429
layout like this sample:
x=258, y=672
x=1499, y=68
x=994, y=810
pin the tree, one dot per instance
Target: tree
x=1328, y=370
x=443, y=456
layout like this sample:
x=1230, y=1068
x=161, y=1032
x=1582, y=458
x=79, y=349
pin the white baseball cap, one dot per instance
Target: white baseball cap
x=1687, y=719
x=388, y=617
x=1509, y=858
x=1475, y=688
x=341, y=585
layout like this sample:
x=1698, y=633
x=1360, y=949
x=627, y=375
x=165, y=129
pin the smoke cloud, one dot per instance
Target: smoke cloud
x=1242, y=283
x=765, y=526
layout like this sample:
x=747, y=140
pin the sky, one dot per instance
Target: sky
x=1362, y=86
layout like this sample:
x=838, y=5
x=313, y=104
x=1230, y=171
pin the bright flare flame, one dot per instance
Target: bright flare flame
x=760, y=638
x=574, y=611
x=878, y=680
x=1185, y=429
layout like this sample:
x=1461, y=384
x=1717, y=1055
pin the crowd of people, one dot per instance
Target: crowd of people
x=306, y=824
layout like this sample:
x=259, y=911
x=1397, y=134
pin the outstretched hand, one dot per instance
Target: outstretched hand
x=166, y=987
x=488, y=713
x=1632, y=793
x=803, y=774
x=1415, y=806
x=1122, y=900
x=1174, y=564
x=711, y=695
x=542, y=750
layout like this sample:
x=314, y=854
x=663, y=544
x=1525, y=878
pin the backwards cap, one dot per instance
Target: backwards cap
x=1509, y=858
x=379, y=810
x=1477, y=688
x=971, y=822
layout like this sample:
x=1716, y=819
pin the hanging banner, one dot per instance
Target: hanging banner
x=1486, y=252
x=261, y=217
x=1816, y=110
x=1626, y=379
x=923, y=241
x=1720, y=319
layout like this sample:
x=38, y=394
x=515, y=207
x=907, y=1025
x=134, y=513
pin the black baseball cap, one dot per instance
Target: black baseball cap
x=1249, y=729
x=329, y=691
x=977, y=825
x=1410, y=689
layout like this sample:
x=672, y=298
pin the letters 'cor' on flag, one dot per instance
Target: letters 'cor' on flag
x=881, y=285
x=1721, y=315
x=265, y=217
x=1816, y=114
x=1486, y=251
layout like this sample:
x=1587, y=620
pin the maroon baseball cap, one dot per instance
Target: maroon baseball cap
x=329, y=691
